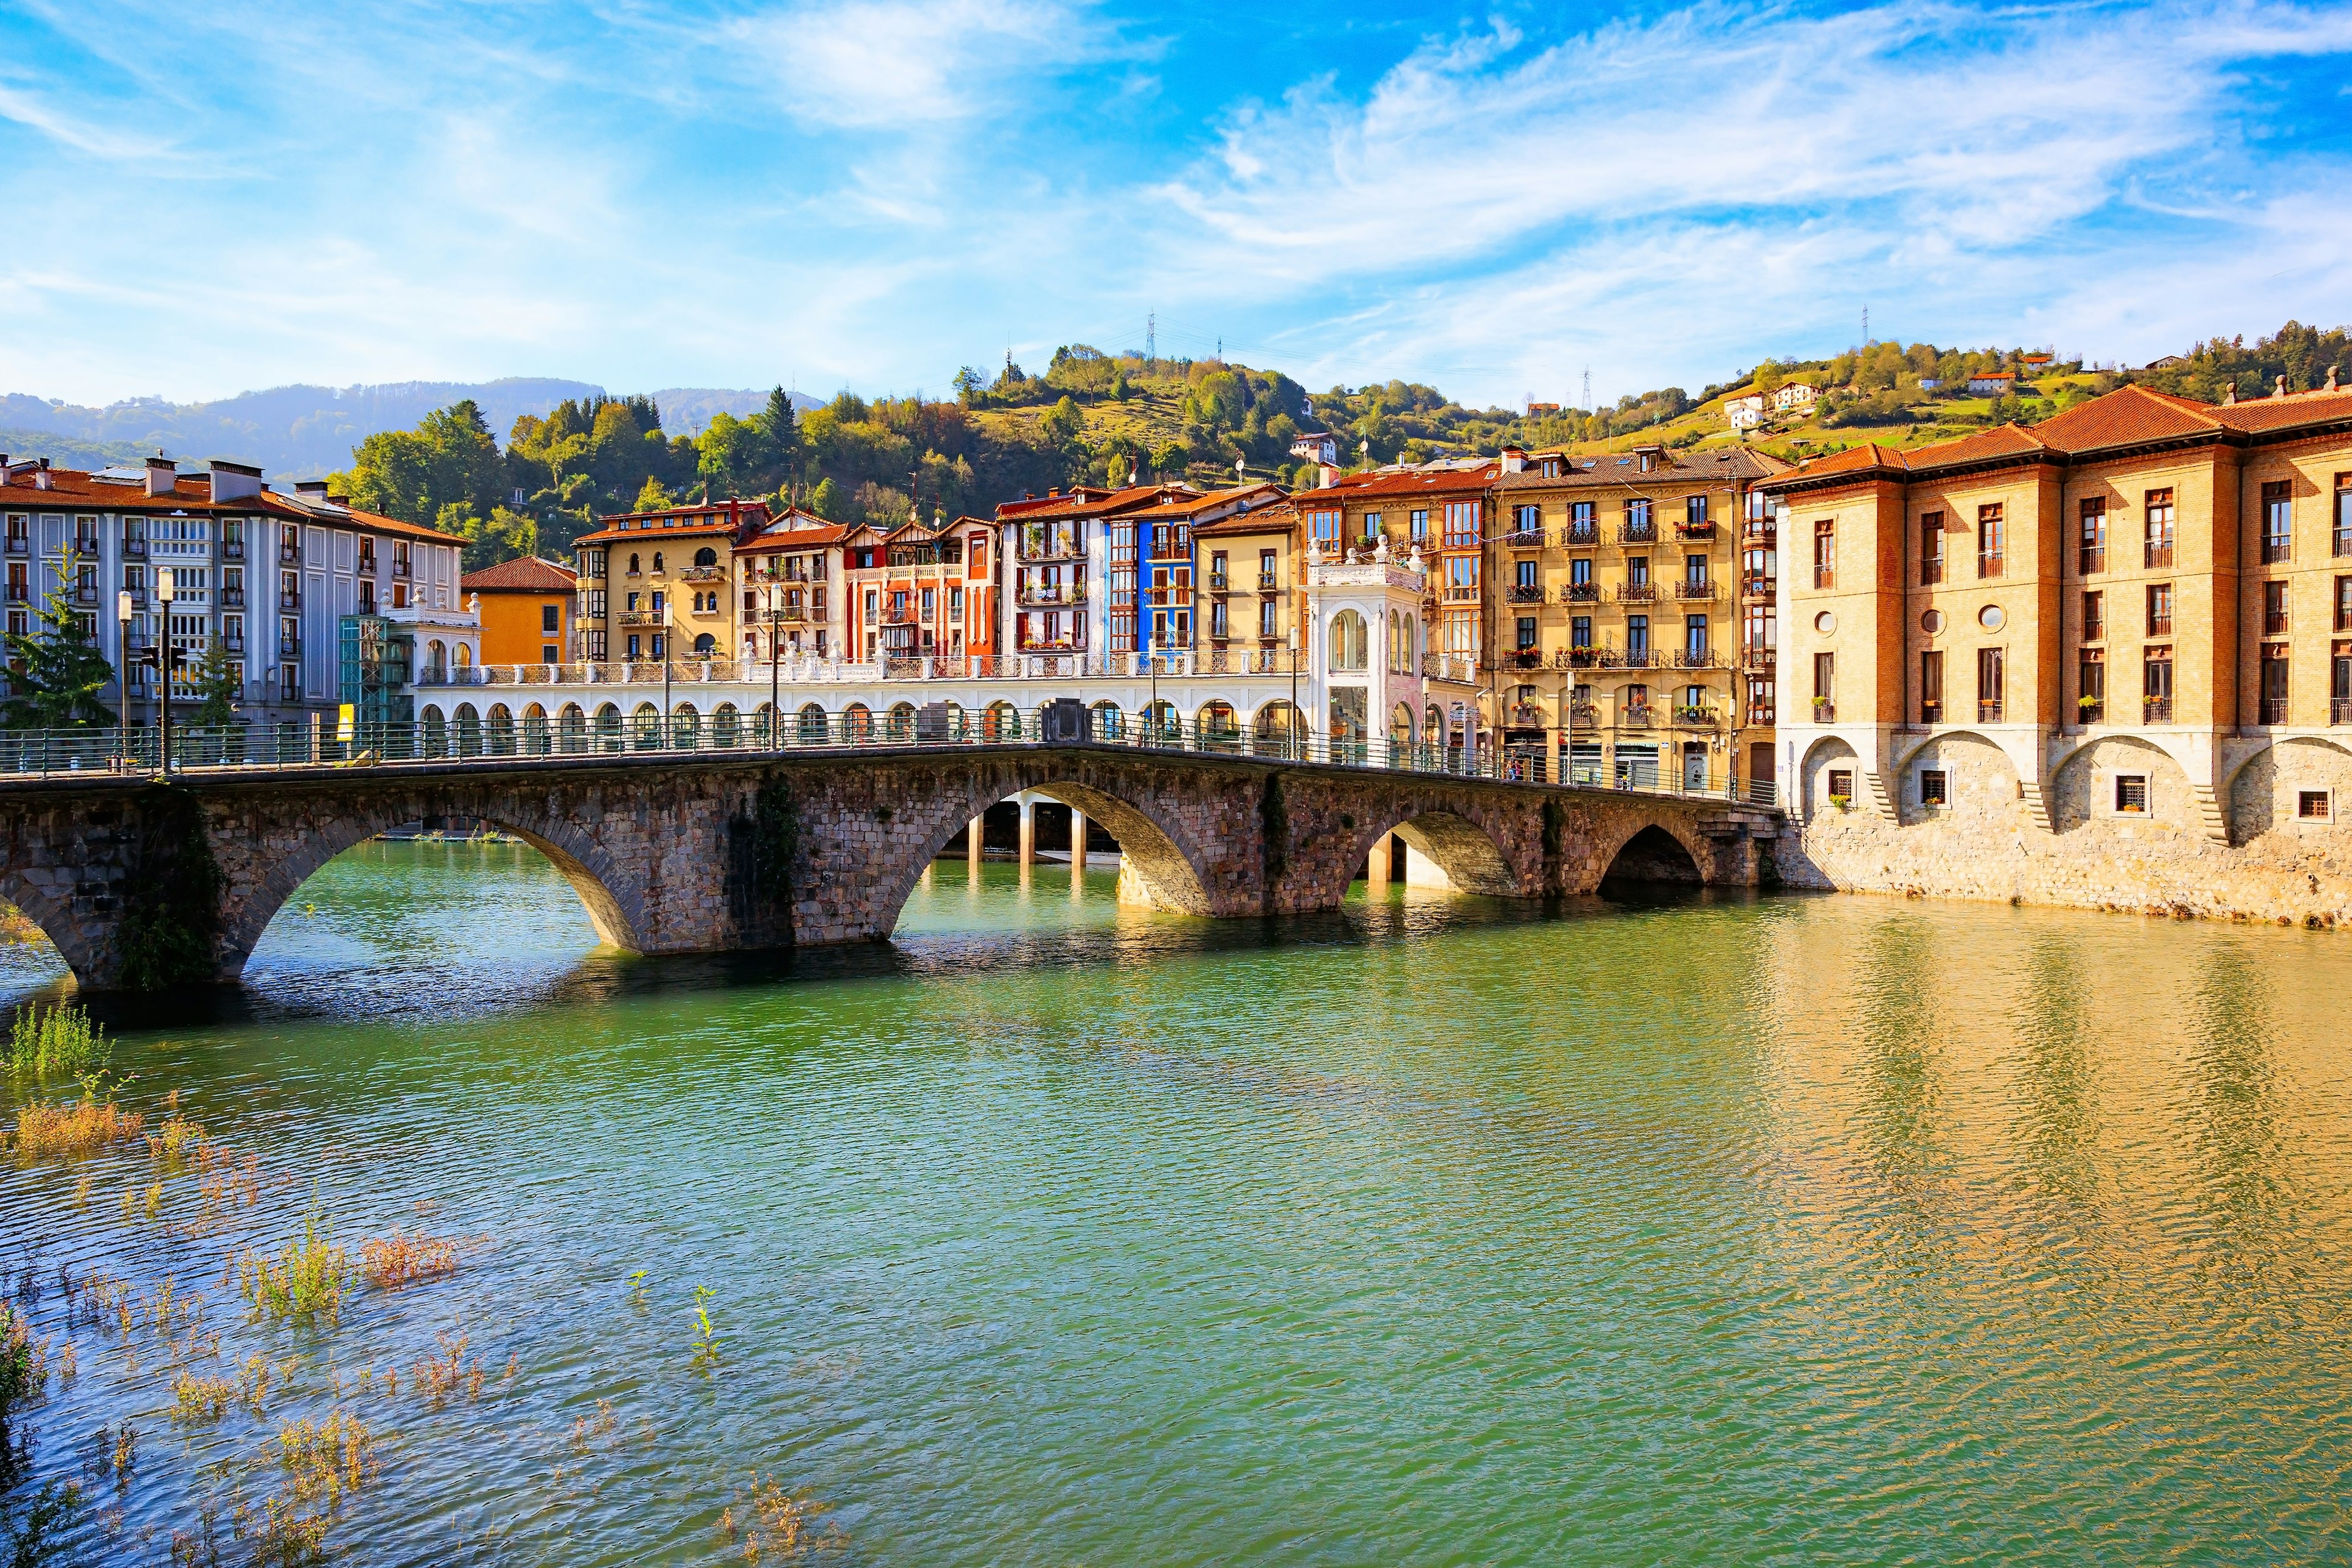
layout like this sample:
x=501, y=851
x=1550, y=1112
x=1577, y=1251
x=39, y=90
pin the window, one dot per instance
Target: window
x=1583, y=524
x=1324, y=526
x=1641, y=520
x=1991, y=539
x=1579, y=631
x=1372, y=526
x=2159, y=609
x=2344, y=604
x=2273, y=698
x=1694, y=570
x=2339, y=689
x=2131, y=795
x=1637, y=570
x=1934, y=788
x=657, y=566
x=1417, y=526
x=1931, y=688
x=1695, y=512
x=1695, y=641
x=1825, y=553
x=2091, y=554
x=1989, y=685
x=1217, y=619
x=2156, y=686
x=1824, y=688
x=2157, y=551
x=1524, y=634
x=1528, y=575
x=1579, y=571
x=1265, y=617
x=1760, y=700
x=2314, y=806
x=1462, y=525
x=2274, y=609
x=1637, y=637
x=2091, y=706
x=2341, y=535
x=1524, y=520
x=1461, y=577
x=2278, y=520
x=2094, y=616
x=1931, y=549
x=1841, y=786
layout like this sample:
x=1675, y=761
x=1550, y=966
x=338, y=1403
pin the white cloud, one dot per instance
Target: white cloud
x=913, y=63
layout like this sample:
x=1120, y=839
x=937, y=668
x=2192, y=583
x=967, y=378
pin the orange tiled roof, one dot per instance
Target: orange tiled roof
x=2267, y=414
x=528, y=574
x=709, y=517
x=74, y=489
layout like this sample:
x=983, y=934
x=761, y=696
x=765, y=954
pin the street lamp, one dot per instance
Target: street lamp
x=123, y=647
x=163, y=587
x=775, y=690
x=1290, y=720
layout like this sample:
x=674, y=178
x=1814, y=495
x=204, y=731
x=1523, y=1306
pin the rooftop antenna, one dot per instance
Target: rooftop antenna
x=1588, y=389
x=1151, y=338
x=1865, y=326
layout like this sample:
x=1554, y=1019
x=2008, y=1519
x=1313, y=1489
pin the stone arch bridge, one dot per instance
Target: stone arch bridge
x=144, y=884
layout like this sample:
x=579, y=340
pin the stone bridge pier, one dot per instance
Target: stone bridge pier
x=146, y=885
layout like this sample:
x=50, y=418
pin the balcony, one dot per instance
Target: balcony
x=702, y=574
x=1636, y=593
x=232, y=598
x=899, y=615
x=289, y=598
x=1696, y=659
x=1687, y=589
x=1579, y=536
x=1825, y=578
x=1696, y=718
x=400, y=567
x=232, y=549
x=1525, y=538
x=1637, y=533
x=1584, y=715
x=20, y=594
x=2273, y=710
x=1525, y=594
x=1268, y=582
x=1759, y=587
x=1578, y=658
x=2090, y=710
x=1526, y=716
x=134, y=548
x=1988, y=709
x=1580, y=593
x=367, y=564
x=1220, y=584
x=1631, y=659
x=1761, y=528
x=1695, y=529
x=2157, y=557
x=644, y=618
x=1824, y=711
x=1637, y=718
x=233, y=644
x=1527, y=658
x=1462, y=594
x=289, y=648
x=1758, y=657
x=18, y=544
x=85, y=594
x=1052, y=594
x=137, y=595
x=2156, y=710
x=2340, y=711
x=290, y=554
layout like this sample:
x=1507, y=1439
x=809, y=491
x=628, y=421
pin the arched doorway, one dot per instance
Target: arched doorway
x=1221, y=727
x=1276, y=731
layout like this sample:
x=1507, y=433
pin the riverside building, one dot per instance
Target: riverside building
x=318, y=604
x=1634, y=641
x=2135, y=616
x=658, y=585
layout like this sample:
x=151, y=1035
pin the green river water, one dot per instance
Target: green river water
x=1776, y=1231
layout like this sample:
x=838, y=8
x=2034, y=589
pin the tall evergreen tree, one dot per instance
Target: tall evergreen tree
x=55, y=672
x=215, y=687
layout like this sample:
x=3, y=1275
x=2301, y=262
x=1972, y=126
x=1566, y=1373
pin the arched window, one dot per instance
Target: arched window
x=1401, y=725
x=1220, y=726
x=633, y=568
x=705, y=645
x=572, y=726
x=811, y=725
x=706, y=556
x=1108, y=721
x=470, y=731
x=647, y=723
x=433, y=738
x=727, y=728
x=502, y=731
x=1349, y=639
x=1278, y=728
x=657, y=561
x=462, y=658
x=857, y=722
x=437, y=658
x=608, y=727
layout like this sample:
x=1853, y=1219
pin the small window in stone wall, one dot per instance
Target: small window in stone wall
x=1935, y=787
x=2131, y=795
x=1842, y=785
x=2314, y=806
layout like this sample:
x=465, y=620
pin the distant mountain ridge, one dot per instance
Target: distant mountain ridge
x=305, y=432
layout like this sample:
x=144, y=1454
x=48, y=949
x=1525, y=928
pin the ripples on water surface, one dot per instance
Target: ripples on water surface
x=1780, y=1231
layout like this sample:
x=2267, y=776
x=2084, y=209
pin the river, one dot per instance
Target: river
x=1739, y=1230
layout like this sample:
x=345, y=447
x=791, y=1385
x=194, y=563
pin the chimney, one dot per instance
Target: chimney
x=41, y=481
x=162, y=474
x=1326, y=476
x=233, y=482
x=310, y=490
x=2280, y=391
x=1515, y=459
x=2228, y=394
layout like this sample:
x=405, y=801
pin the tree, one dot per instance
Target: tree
x=1063, y=422
x=780, y=428
x=729, y=454
x=970, y=385
x=653, y=496
x=451, y=456
x=215, y=688
x=56, y=673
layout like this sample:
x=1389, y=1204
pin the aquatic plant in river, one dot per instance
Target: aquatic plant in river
x=305, y=1280
x=65, y=1127
x=56, y=1042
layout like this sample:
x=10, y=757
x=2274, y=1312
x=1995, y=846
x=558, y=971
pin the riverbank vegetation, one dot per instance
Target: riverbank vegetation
x=59, y=1041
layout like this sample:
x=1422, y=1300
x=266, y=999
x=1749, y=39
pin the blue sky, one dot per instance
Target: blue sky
x=203, y=199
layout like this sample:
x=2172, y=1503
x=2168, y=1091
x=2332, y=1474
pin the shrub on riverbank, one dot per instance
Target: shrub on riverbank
x=56, y=1042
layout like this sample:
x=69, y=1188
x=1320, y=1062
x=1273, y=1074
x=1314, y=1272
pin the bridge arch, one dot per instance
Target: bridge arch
x=82, y=948
x=1157, y=850
x=1448, y=835
x=253, y=901
x=1654, y=853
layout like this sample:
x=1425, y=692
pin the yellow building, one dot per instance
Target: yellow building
x=659, y=585
x=2138, y=609
x=1624, y=616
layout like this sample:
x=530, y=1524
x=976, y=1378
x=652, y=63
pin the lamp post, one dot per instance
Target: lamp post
x=122, y=647
x=775, y=688
x=163, y=671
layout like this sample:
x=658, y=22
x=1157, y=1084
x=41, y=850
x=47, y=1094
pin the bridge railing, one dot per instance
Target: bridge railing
x=501, y=737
